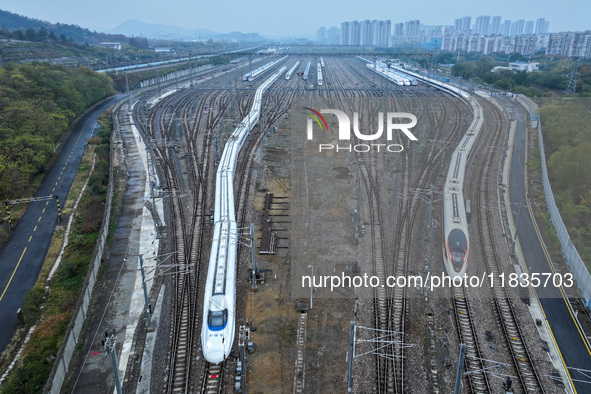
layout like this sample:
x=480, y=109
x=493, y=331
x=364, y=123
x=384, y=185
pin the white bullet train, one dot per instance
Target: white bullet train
x=456, y=246
x=217, y=333
x=319, y=68
x=390, y=75
x=306, y=71
x=292, y=70
x=252, y=75
x=455, y=227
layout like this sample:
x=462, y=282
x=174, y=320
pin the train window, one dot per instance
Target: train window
x=216, y=320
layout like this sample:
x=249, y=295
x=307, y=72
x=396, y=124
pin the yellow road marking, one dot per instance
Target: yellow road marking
x=13, y=272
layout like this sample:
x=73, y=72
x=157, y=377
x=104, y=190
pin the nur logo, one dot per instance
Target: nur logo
x=315, y=115
x=344, y=133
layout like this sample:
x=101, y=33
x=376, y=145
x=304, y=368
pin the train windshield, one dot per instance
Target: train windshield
x=458, y=247
x=217, y=320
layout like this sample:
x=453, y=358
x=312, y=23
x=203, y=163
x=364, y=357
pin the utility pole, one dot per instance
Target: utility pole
x=351, y=356
x=152, y=175
x=146, y=300
x=357, y=215
x=459, y=370
x=311, y=284
x=430, y=224
x=176, y=126
x=254, y=267
x=127, y=91
x=156, y=220
x=109, y=345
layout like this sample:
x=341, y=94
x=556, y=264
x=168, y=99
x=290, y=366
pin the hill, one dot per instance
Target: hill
x=132, y=27
x=12, y=22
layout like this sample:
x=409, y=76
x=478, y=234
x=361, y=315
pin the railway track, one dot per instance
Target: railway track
x=190, y=183
x=187, y=208
x=522, y=361
x=478, y=380
x=390, y=307
x=214, y=374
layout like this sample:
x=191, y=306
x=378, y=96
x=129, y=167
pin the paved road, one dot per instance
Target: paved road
x=22, y=257
x=574, y=350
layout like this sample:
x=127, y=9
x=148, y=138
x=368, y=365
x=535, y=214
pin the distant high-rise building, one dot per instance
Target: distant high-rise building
x=495, y=25
x=321, y=35
x=481, y=24
x=399, y=29
x=541, y=26
x=355, y=33
x=517, y=27
x=385, y=30
x=506, y=27
x=458, y=24
x=366, y=33
x=333, y=35
x=467, y=23
x=570, y=44
x=345, y=33
x=529, y=27
x=411, y=28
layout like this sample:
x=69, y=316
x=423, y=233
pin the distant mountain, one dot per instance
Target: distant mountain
x=11, y=22
x=132, y=27
x=129, y=28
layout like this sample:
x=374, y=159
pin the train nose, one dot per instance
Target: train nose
x=214, y=357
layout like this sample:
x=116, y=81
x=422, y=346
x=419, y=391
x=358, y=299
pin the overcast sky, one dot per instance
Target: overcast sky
x=295, y=17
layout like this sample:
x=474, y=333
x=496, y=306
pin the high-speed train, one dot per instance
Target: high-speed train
x=455, y=228
x=456, y=245
x=319, y=68
x=307, y=71
x=217, y=332
x=391, y=73
x=292, y=70
x=249, y=76
x=384, y=72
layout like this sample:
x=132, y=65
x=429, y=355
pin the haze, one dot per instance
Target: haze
x=292, y=18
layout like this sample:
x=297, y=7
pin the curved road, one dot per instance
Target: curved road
x=22, y=257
